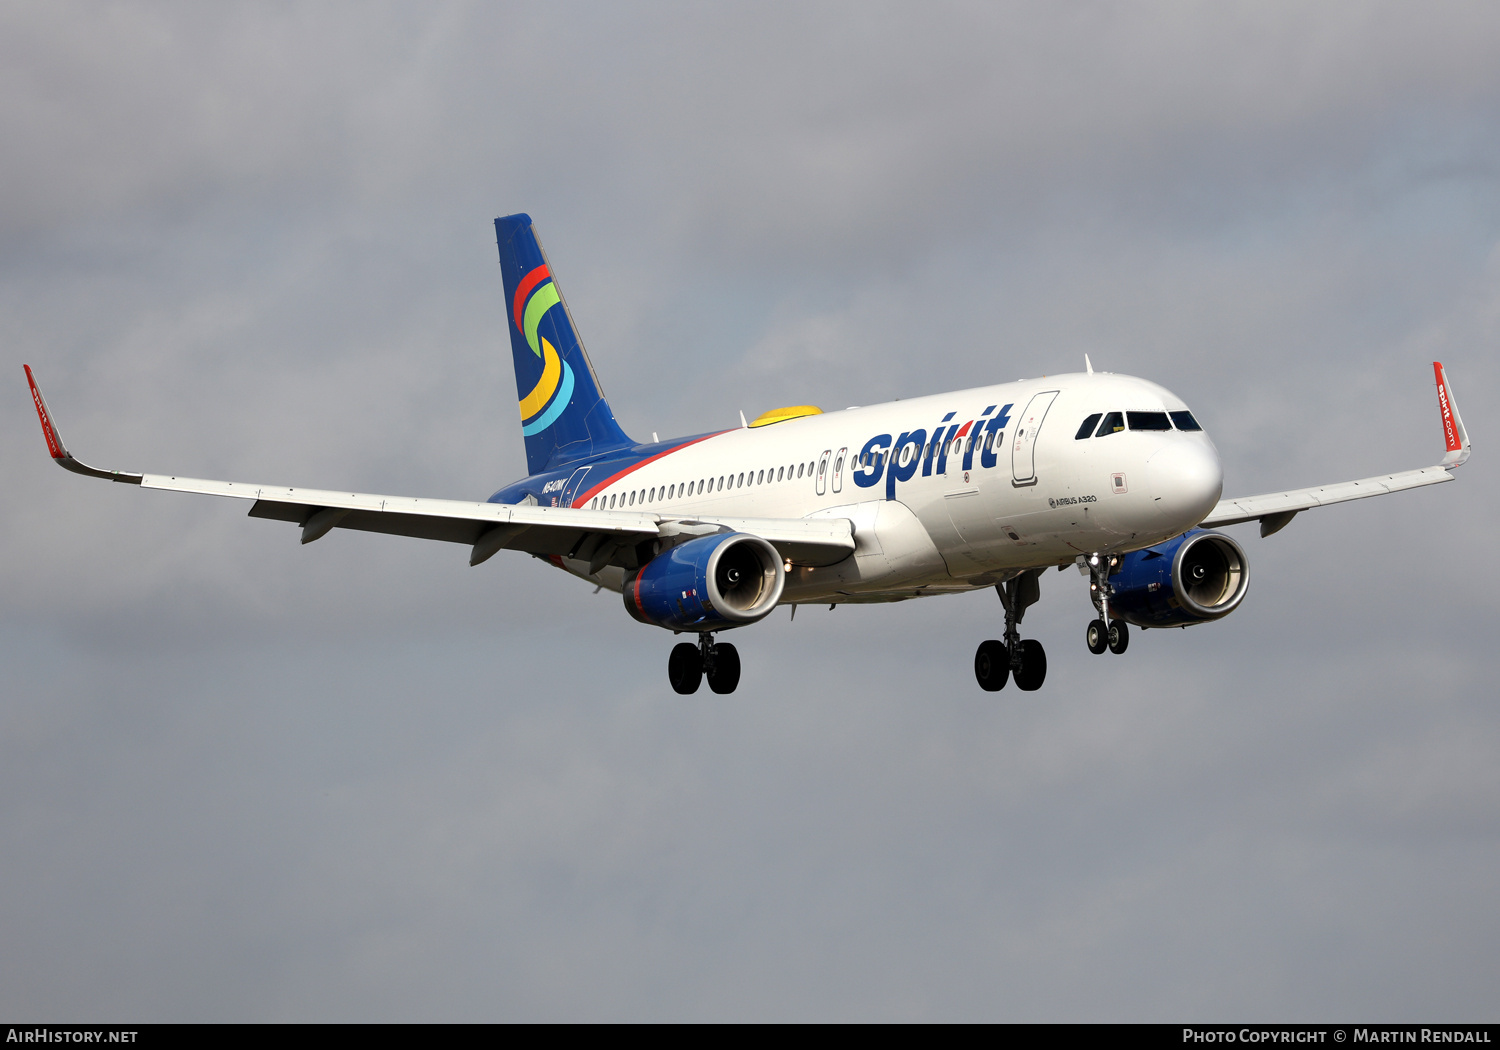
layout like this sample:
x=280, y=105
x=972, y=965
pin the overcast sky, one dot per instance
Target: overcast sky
x=242, y=779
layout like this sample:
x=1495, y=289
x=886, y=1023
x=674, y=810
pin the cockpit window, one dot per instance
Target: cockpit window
x=1185, y=421
x=1113, y=424
x=1087, y=429
x=1148, y=421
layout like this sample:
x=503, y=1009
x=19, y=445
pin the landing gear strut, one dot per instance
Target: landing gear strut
x=1104, y=633
x=1025, y=660
x=689, y=664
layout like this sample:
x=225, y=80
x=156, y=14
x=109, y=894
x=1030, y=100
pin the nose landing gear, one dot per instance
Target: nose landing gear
x=1104, y=633
x=689, y=664
x=1119, y=637
x=996, y=662
x=1097, y=636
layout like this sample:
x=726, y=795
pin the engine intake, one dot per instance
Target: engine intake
x=707, y=584
x=1197, y=577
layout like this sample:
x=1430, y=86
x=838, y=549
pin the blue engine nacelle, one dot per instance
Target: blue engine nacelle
x=708, y=584
x=1197, y=577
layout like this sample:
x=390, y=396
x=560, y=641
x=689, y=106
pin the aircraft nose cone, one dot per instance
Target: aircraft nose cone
x=1186, y=480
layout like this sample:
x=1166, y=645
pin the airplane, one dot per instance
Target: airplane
x=988, y=487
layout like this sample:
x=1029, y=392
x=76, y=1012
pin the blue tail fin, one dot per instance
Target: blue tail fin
x=564, y=416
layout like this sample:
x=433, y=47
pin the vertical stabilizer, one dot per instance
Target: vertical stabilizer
x=564, y=416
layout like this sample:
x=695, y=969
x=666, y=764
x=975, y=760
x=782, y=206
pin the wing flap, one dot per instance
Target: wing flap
x=419, y=526
x=545, y=530
x=487, y=527
x=537, y=530
x=1275, y=505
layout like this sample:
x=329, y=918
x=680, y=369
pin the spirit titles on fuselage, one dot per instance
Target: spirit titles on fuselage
x=881, y=456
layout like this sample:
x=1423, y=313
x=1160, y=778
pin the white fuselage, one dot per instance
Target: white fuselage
x=968, y=506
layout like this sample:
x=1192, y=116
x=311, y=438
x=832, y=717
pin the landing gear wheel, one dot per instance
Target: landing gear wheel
x=992, y=666
x=1097, y=636
x=685, y=667
x=725, y=674
x=1119, y=636
x=1033, y=670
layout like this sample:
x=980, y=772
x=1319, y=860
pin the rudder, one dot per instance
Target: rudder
x=564, y=416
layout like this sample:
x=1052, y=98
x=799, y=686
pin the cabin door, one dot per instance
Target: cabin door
x=1023, y=447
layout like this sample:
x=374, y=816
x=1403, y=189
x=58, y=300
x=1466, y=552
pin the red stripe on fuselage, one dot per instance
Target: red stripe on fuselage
x=530, y=281
x=580, y=501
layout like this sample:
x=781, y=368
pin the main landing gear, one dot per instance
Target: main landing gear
x=1025, y=660
x=1104, y=633
x=689, y=664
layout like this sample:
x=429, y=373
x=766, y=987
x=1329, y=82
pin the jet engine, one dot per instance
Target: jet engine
x=1197, y=577
x=708, y=584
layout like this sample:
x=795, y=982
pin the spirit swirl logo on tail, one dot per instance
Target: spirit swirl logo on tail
x=535, y=295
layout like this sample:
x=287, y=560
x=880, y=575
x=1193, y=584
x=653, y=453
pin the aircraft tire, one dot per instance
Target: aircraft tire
x=1033, y=670
x=1097, y=637
x=992, y=666
x=685, y=668
x=1119, y=636
x=726, y=673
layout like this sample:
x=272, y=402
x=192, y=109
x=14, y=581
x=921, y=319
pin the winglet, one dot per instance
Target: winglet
x=59, y=452
x=1454, y=434
x=54, y=443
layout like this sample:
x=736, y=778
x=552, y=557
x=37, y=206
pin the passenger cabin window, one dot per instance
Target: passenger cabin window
x=1113, y=424
x=1185, y=421
x=1087, y=429
x=1148, y=421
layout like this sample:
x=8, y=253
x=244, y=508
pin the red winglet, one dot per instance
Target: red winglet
x=54, y=443
x=60, y=454
x=1450, y=432
x=1455, y=437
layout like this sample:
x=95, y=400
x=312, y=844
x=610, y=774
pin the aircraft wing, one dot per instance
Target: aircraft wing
x=1275, y=510
x=602, y=537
